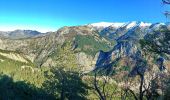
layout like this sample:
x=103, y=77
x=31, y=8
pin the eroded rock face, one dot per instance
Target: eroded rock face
x=86, y=61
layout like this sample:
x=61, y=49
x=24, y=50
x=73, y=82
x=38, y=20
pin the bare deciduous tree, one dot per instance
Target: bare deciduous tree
x=104, y=87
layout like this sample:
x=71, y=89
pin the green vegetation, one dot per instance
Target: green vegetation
x=157, y=43
x=62, y=81
x=125, y=68
x=64, y=56
x=65, y=85
x=90, y=45
x=21, y=71
x=8, y=65
x=20, y=90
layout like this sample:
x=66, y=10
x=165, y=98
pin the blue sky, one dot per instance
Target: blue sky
x=46, y=15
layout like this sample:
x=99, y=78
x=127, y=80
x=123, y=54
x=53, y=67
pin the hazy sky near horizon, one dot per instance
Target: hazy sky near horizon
x=49, y=15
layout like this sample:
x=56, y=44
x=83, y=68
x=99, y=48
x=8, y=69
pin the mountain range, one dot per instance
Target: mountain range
x=97, y=45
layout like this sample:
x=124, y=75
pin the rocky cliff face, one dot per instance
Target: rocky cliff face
x=128, y=46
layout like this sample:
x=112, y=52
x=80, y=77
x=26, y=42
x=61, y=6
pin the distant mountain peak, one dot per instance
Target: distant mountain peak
x=143, y=24
x=19, y=34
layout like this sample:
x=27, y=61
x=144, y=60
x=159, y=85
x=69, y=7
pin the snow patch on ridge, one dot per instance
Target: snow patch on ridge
x=142, y=24
x=128, y=25
x=135, y=23
x=106, y=24
x=131, y=24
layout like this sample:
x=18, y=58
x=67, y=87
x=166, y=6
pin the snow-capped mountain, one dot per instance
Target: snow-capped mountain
x=128, y=25
x=137, y=24
x=106, y=24
x=114, y=30
x=127, y=39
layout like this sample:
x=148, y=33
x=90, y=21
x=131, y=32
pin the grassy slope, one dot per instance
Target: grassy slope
x=29, y=74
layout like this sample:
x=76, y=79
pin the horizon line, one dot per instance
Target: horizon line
x=44, y=29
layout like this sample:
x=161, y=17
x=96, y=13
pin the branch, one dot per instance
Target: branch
x=136, y=98
x=97, y=88
x=103, y=87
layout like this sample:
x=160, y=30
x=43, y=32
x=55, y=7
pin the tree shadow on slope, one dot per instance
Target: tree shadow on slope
x=19, y=90
x=66, y=85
